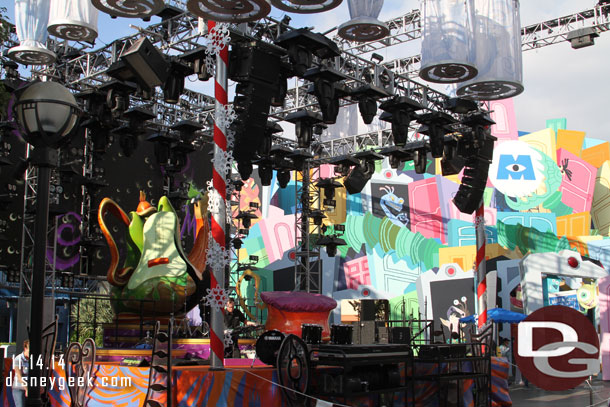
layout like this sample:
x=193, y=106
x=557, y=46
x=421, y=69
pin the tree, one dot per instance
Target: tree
x=5, y=30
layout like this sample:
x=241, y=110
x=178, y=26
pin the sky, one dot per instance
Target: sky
x=559, y=82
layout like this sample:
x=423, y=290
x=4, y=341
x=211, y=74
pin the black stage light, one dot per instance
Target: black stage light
x=367, y=97
x=173, y=87
x=343, y=164
x=187, y=129
x=402, y=111
x=356, y=180
x=237, y=184
x=328, y=185
x=331, y=242
x=245, y=169
x=302, y=45
x=420, y=160
x=451, y=163
x=298, y=158
x=461, y=106
x=265, y=147
x=196, y=58
x=435, y=126
x=397, y=156
x=317, y=216
x=147, y=63
x=237, y=243
x=304, y=121
x=117, y=96
x=246, y=218
x=326, y=91
x=163, y=142
x=283, y=178
x=265, y=173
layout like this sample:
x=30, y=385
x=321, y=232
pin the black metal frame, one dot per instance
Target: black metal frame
x=79, y=362
x=161, y=365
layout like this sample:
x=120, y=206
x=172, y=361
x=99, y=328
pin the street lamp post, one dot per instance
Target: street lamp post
x=47, y=113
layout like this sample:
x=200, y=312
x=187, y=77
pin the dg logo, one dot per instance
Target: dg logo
x=557, y=348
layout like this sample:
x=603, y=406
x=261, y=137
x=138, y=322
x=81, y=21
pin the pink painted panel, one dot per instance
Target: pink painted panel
x=604, y=319
x=357, y=273
x=327, y=171
x=577, y=192
x=503, y=113
x=277, y=231
x=425, y=208
x=491, y=215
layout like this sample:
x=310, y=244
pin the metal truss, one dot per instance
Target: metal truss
x=307, y=262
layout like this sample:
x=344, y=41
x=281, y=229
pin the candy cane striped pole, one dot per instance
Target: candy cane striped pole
x=481, y=266
x=219, y=181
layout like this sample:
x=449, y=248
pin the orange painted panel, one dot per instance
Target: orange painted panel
x=597, y=155
x=571, y=140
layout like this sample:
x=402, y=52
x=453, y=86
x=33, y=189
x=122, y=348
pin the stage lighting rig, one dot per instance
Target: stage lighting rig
x=117, y=96
x=246, y=217
x=328, y=186
x=317, y=216
x=480, y=123
x=344, y=163
x=272, y=128
x=362, y=173
x=435, y=126
x=367, y=97
x=173, y=87
x=196, y=58
x=420, y=157
x=402, y=110
x=331, y=242
x=302, y=45
x=283, y=178
x=298, y=157
x=244, y=168
x=460, y=105
x=397, y=156
x=129, y=133
x=451, y=163
x=163, y=141
x=304, y=122
x=327, y=89
x=187, y=130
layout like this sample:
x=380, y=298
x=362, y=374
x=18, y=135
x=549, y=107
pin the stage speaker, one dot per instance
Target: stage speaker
x=472, y=188
x=364, y=333
x=383, y=334
x=367, y=310
x=401, y=334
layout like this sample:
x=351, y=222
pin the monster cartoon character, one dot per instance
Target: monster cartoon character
x=458, y=310
x=392, y=205
x=529, y=178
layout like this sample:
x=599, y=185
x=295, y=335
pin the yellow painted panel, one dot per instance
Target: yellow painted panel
x=570, y=140
x=600, y=209
x=597, y=155
x=576, y=224
x=465, y=256
x=543, y=140
x=337, y=215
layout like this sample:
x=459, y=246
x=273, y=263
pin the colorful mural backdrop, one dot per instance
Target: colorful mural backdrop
x=547, y=192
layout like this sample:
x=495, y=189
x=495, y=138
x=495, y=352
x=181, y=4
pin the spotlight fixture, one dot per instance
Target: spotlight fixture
x=298, y=157
x=187, y=129
x=317, y=216
x=328, y=185
x=246, y=218
x=402, y=111
x=420, y=160
x=265, y=173
x=367, y=97
x=358, y=177
x=460, y=105
x=196, y=58
x=344, y=163
x=304, y=121
x=302, y=45
x=397, y=156
x=128, y=133
x=325, y=88
x=174, y=86
x=331, y=242
x=582, y=37
x=163, y=141
x=117, y=96
x=237, y=243
x=435, y=126
x=265, y=147
x=283, y=178
x=245, y=169
x=237, y=184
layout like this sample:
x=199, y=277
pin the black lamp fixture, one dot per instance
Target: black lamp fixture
x=331, y=242
x=246, y=218
x=435, y=126
x=344, y=163
x=317, y=216
x=451, y=163
x=47, y=113
x=304, y=121
x=400, y=112
x=173, y=87
x=283, y=178
x=302, y=45
x=147, y=63
x=367, y=96
x=327, y=89
x=265, y=173
x=397, y=156
x=361, y=174
x=131, y=131
x=328, y=185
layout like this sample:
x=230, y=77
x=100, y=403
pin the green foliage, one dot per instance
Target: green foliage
x=90, y=315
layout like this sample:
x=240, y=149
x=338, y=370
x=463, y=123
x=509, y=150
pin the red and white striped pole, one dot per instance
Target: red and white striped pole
x=481, y=271
x=219, y=182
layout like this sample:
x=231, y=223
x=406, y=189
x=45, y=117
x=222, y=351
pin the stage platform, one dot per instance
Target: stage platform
x=240, y=384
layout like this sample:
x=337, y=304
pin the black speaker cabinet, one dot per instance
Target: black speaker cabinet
x=401, y=334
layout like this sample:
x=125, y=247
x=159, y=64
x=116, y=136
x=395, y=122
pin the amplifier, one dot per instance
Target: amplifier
x=401, y=334
x=364, y=333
